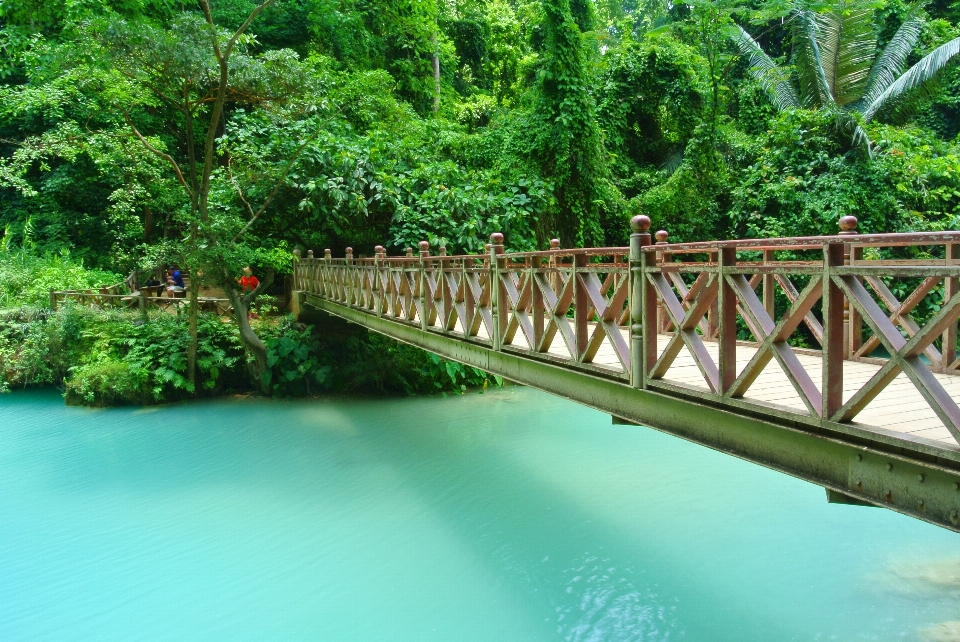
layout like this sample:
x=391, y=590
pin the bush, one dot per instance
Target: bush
x=114, y=357
x=108, y=383
x=806, y=177
x=26, y=279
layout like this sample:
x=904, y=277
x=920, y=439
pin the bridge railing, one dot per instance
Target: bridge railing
x=697, y=319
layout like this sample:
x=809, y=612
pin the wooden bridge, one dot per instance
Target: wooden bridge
x=833, y=358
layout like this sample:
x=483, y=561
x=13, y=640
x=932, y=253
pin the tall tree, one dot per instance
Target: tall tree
x=571, y=145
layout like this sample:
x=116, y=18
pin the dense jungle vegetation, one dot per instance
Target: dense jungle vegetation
x=215, y=134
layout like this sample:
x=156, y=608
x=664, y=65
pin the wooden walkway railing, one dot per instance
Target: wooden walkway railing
x=128, y=294
x=646, y=304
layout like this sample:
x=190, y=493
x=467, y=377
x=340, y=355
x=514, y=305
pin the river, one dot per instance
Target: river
x=497, y=517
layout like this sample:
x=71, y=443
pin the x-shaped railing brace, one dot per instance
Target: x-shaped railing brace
x=686, y=334
x=609, y=313
x=773, y=341
x=900, y=313
x=904, y=356
x=556, y=305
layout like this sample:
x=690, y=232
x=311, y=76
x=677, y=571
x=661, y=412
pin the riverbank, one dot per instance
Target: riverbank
x=112, y=357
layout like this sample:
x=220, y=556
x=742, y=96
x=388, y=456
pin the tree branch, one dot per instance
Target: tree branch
x=154, y=150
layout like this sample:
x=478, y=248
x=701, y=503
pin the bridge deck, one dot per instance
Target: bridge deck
x=899, y=408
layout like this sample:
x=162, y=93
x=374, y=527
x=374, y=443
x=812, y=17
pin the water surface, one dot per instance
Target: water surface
x=507, y=516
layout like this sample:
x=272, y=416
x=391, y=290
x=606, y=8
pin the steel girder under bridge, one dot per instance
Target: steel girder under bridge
x=677, y=337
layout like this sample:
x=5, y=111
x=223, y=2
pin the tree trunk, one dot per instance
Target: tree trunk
x=194, y=338
x=255, y=349
x=147, y=224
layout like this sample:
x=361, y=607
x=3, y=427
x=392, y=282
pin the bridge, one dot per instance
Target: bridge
x=829, y=358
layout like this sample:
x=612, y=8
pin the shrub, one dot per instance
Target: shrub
x=26, y=279
x=108, y=383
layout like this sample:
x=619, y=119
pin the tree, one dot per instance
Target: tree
x=836, y=65
x=570, y=145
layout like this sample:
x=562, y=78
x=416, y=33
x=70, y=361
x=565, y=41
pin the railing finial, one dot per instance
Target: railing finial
x=380, y=252
x=408, y=251
x=424, y=248
x=326, y=254
x=496, y=243
x=661, y=237
x=443, y=250
x=640, y=224
x=309, y=254
x=554, y=244
x=848, y=224
x=296, y=252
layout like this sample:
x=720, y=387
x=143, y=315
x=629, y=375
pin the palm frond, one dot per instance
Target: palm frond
x=814, y=88
x=847, y=43
x=917, y=82
x=774, y=79
x=891, y=62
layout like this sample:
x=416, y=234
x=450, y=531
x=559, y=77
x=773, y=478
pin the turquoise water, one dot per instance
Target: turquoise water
x=508, y=516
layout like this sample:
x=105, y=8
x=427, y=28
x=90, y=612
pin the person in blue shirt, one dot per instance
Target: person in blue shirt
x=175, y=286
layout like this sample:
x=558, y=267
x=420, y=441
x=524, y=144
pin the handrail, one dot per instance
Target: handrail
x=648, y=306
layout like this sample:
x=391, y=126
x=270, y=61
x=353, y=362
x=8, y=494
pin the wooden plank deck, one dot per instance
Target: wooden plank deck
x=898, y=408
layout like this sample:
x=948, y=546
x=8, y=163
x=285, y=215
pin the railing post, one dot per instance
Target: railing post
x=833, y=338
x=445, y=297
x=727, y=308
x=661, y=237
x=379, y=295
x=555, y=280
x=852, y=325
x=951, y=288
x=497, y=293
x=296, y=268
x=581, y=307
x=53, y=299
x=328, y=283
x=348, y=280
x=425, y=301
x=639, y=237
x=649, y=318
x=769, y=281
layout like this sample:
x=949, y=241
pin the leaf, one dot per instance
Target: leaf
x=772, y=78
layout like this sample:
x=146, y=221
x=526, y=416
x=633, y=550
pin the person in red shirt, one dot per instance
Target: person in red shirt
x=248, y=282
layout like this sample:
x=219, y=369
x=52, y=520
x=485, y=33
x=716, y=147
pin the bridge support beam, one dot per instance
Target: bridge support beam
x=910, y=482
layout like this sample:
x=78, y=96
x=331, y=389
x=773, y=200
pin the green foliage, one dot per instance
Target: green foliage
x=801, y=183
x=294, y=359
x=456, y=377
x=26, y=279
x=569, y=144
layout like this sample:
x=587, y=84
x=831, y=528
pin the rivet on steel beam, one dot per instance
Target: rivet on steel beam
x=956, y=485
x=859, y=457
x=889, y=494
x=954, y=516
x=920, y=478
x=858, y=482
x=920, y=504
x=889, y=466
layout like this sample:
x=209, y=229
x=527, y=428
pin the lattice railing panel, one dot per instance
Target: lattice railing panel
x=814, y=329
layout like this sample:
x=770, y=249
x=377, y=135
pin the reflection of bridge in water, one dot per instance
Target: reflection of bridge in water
x=700, y=340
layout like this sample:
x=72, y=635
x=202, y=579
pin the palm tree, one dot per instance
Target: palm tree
x=836, y=64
